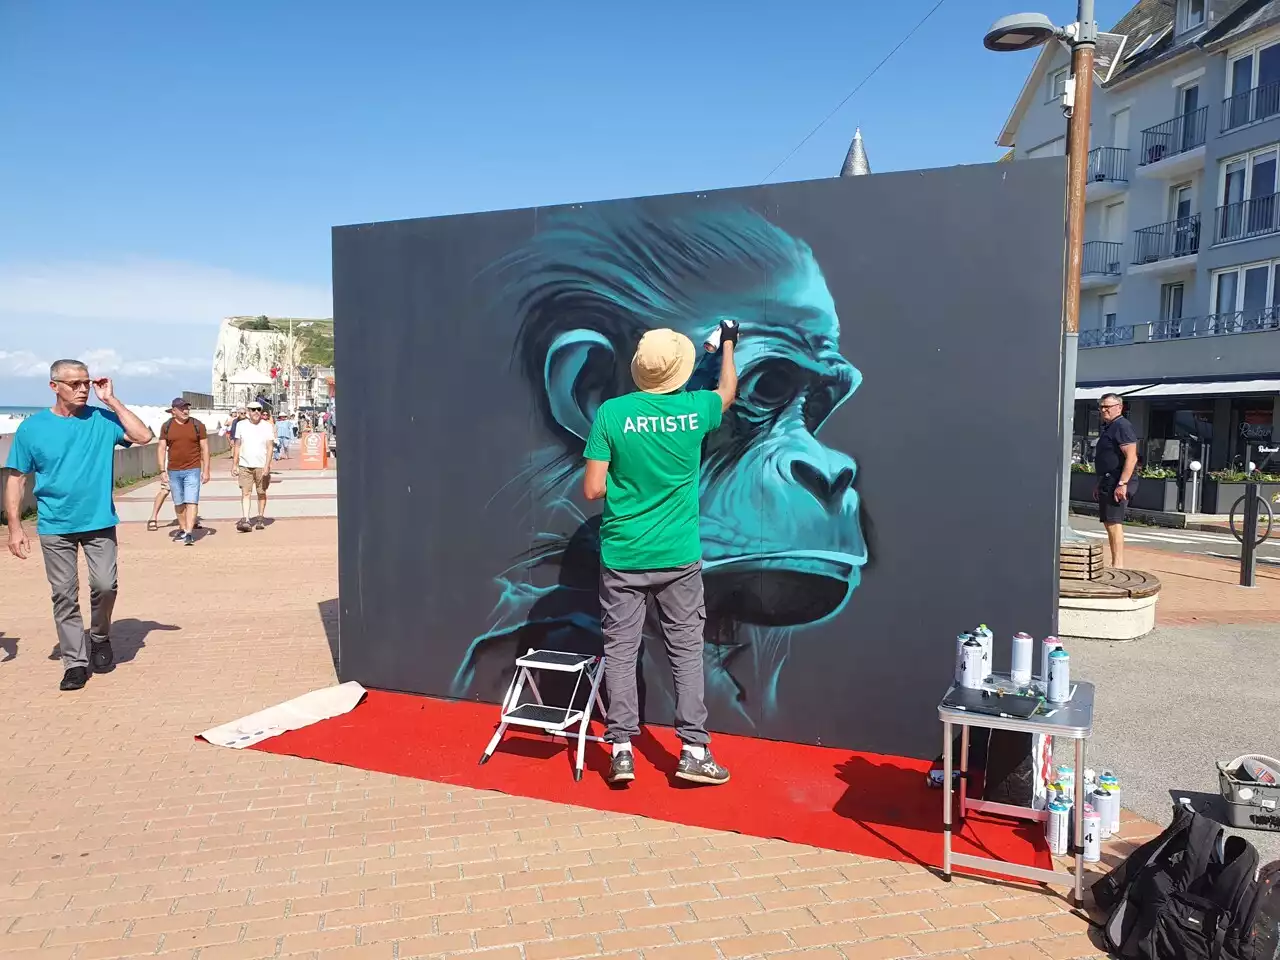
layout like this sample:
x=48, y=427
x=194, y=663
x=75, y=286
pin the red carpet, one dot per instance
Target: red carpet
x=872, y=805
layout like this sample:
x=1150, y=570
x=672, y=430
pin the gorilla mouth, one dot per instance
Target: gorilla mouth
x=780, y=590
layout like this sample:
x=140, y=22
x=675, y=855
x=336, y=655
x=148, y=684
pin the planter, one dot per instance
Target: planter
x=1156, y=495
x=1219, y=497
x=1082, y=485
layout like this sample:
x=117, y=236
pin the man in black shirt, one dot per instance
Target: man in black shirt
x=1116, y=461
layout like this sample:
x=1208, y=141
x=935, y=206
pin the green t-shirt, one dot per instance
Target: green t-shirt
x=653, y=445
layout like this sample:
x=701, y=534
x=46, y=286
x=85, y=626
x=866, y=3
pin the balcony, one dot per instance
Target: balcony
x=1174, y=147
x=1101, y=264
x=1166, y=247
x=1217, y=324
x=1107, y=172
x=1255, y=217
x=1250, y=106
x=1105, y=337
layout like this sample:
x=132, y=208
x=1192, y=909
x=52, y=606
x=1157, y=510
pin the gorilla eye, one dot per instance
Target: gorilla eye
x=774, y=387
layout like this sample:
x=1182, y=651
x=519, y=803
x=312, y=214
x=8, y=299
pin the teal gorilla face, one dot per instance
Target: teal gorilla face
x=782, y=542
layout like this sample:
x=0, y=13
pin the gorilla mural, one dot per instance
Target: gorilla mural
x=782, y=540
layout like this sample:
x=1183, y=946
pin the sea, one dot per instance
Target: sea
x=21, y=411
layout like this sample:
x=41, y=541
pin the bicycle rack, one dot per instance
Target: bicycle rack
x=1250, y=544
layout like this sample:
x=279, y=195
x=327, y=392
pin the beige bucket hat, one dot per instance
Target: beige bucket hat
x=663, y=362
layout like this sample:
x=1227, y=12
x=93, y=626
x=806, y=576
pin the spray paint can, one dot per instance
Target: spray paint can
x=1057, y=824
x=712, y=343
x=1049, y=645
x=988, y=640
x=971, y=665
x=1020, y=669
x=961, y=640
x=1092, y=835
x=1101, y=800
x=1111, y=784
x=1065, y=780
x=1058, y=689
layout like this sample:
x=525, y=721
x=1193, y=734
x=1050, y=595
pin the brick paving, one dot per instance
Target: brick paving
x=1206, y=590
x=121, y=836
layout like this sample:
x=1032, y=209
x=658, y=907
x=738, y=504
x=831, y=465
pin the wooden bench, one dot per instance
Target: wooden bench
x=1112, y=605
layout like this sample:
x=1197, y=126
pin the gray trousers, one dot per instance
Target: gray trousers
x=682, y=612
x=60, y=550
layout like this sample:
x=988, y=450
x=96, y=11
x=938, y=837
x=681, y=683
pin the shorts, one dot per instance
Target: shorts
x=1109, y=511
x=254, y=478
x=184, y=486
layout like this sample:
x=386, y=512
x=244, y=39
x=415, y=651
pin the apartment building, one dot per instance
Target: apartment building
x=1180, y=308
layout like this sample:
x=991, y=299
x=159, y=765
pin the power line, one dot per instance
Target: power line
x=860, y=85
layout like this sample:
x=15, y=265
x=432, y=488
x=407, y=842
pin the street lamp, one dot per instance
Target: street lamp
x=1023, y=31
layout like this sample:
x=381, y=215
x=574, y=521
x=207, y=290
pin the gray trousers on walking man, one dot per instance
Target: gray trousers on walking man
x=60, y=550
x=682, y=612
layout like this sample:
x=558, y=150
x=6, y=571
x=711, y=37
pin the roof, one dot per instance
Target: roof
x=855, y=161
x=1150, y=22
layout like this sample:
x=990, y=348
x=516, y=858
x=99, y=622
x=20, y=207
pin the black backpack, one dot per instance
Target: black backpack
x=1192, y=894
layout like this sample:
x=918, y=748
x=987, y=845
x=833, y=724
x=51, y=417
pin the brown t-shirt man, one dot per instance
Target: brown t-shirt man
x=184, y=442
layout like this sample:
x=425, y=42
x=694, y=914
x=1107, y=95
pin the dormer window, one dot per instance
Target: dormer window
x=1190, y=14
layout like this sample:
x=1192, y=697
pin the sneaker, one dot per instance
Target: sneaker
x=243, y=526
x=260, y=524
x=623, y=767
x=705, y=770
x=74, y=679
x=101, y=655
x=189, y=539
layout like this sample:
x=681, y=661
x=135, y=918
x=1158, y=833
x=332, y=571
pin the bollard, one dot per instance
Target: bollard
x=1248, y=543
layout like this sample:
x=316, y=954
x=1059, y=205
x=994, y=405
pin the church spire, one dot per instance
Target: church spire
x=855, y=161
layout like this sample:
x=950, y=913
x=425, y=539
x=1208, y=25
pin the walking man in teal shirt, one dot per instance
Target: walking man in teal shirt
x=70, y=448
x=644, y=458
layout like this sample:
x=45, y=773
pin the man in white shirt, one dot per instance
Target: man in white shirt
x=251, y=463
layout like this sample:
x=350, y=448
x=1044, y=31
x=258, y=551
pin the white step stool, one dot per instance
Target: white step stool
x=554, y=720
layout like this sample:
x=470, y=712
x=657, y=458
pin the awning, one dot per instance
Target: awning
x=249, y=377
x=1209, y=388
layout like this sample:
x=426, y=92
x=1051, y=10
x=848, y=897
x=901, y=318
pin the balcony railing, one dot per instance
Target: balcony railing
x=1217, y=324
x=1108, y=164
x=1255, y=217
x=1101, y=256
x=1105, y=337
x=1168, y=139
x=1251, y=105
x=1164, y=241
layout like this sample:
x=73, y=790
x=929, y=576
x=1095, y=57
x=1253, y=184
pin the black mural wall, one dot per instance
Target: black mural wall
x=887, y=478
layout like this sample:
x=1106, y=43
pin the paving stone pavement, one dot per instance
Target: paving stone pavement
x=122, y=836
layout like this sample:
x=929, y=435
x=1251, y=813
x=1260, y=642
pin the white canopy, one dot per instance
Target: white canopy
x=1206, y=388
x=248, y=377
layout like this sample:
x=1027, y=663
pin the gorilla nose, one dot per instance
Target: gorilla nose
x=828, y=490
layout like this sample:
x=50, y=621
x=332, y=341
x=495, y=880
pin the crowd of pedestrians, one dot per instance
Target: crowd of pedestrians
x=70, y=450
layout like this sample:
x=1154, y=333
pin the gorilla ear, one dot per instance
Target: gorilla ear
x=580, y=373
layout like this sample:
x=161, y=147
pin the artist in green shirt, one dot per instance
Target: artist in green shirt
x=644, y=458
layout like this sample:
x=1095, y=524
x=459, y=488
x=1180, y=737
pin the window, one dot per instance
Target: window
x=1247, y=195
x=1186, y=230
x=1171, y=301
x=1057, y=85
x=1253, y=87
x=1107, y=311
x=1190, y=13
x=1246, y=298
x=1054, y=148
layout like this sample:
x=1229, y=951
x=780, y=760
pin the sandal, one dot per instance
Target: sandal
x=151, y=525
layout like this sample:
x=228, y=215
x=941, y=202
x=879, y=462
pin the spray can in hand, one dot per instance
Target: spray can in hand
x=712, y=343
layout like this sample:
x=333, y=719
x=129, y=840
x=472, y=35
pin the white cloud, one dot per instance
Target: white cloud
x=152, y=290
x=24, y=363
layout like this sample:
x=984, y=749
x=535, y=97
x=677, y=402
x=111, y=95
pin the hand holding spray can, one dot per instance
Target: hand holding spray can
x=1020, y=670
x=712, y=343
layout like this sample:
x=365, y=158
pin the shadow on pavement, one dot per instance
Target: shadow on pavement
x=329, y=617
x=9, y=645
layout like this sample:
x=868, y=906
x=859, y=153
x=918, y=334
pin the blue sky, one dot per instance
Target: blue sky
x=167, y=164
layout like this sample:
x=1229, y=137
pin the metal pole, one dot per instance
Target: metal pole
x=1082, y=47
x=1249, y=540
